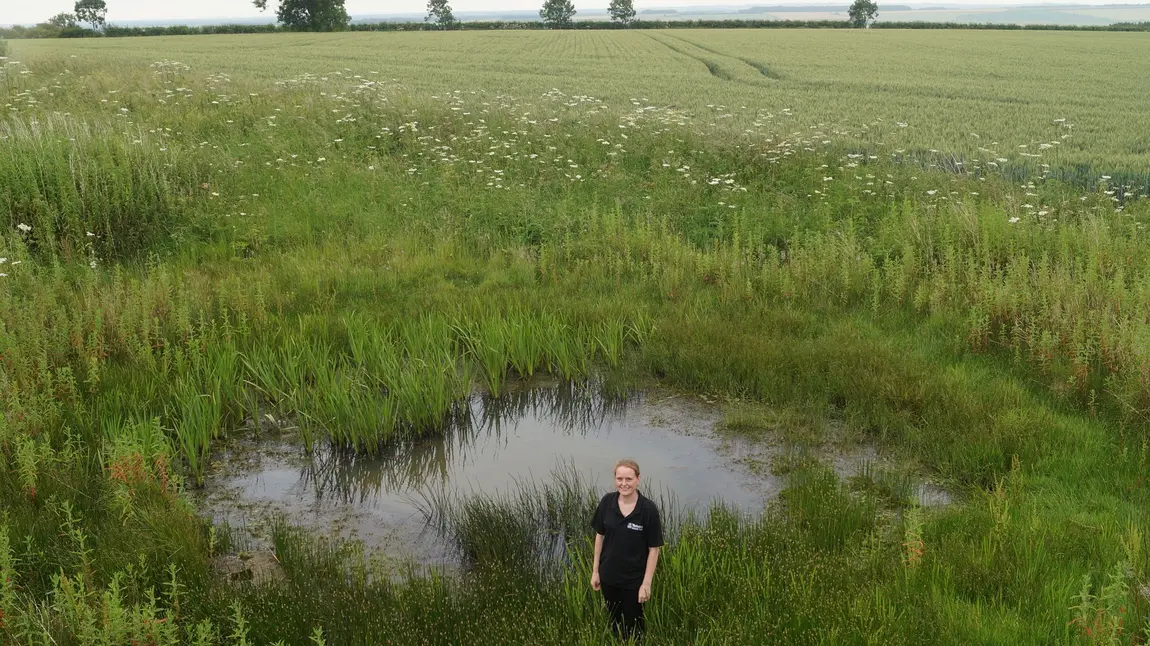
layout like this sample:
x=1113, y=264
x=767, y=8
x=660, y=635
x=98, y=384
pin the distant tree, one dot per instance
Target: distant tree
x=440, y=12
x=622, y=11
x=862, y=13
x=557, y=14
x=62, y=20
x=92, y=12
x=309, y=15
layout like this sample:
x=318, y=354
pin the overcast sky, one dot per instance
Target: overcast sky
x=28, y=12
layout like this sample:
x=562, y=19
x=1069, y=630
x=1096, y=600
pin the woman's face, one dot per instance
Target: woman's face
x=626, y=481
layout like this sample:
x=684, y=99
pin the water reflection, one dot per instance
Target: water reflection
x=567, y=407
x=528, y=437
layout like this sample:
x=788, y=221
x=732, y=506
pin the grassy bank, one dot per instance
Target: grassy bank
x=184, y=252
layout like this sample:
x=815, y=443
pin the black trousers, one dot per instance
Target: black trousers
x=626, y=611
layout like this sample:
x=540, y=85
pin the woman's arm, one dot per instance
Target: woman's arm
x=649, y=574
x=595, y=561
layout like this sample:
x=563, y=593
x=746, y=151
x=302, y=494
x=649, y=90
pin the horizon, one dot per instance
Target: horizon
x=222, y=11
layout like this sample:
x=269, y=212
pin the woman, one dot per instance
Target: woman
x=628, y=536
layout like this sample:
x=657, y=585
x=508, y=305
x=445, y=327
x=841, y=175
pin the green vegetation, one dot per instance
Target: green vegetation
x=309, y=15
x=951, y=97
x=275, y=223
x=557, y=14
x=622, y=11
x=439, y=12
x=1054, y=21
x=863, y=13
x=63, y=20
x=93, y=12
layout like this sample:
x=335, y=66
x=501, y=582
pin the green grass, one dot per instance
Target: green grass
x=280, y=227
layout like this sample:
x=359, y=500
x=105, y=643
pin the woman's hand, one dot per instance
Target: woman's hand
x=594, y=580
x=644, y=593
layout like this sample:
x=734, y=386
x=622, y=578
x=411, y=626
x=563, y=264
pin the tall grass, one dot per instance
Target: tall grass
x=528, y=528
x=93, y=191
x=358, y=261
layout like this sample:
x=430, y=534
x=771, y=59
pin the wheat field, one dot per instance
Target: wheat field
x=956, y=91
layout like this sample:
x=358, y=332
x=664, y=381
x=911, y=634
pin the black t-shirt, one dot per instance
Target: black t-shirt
x=623, y=560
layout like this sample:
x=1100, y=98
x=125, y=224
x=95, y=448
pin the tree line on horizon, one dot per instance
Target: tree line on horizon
x=331, y=15
x=559, y=14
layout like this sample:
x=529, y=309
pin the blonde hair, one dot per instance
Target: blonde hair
x=630, y=464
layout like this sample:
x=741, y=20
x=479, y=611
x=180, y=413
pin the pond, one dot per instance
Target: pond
x=529, y=435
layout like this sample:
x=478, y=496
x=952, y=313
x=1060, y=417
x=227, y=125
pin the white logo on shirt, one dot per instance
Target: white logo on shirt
x=635, y=527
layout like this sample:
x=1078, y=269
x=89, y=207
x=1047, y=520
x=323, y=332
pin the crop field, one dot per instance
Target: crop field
x=933, y=243
x=1075, y=98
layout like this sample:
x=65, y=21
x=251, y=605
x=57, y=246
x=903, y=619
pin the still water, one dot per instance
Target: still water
x=524, y=437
